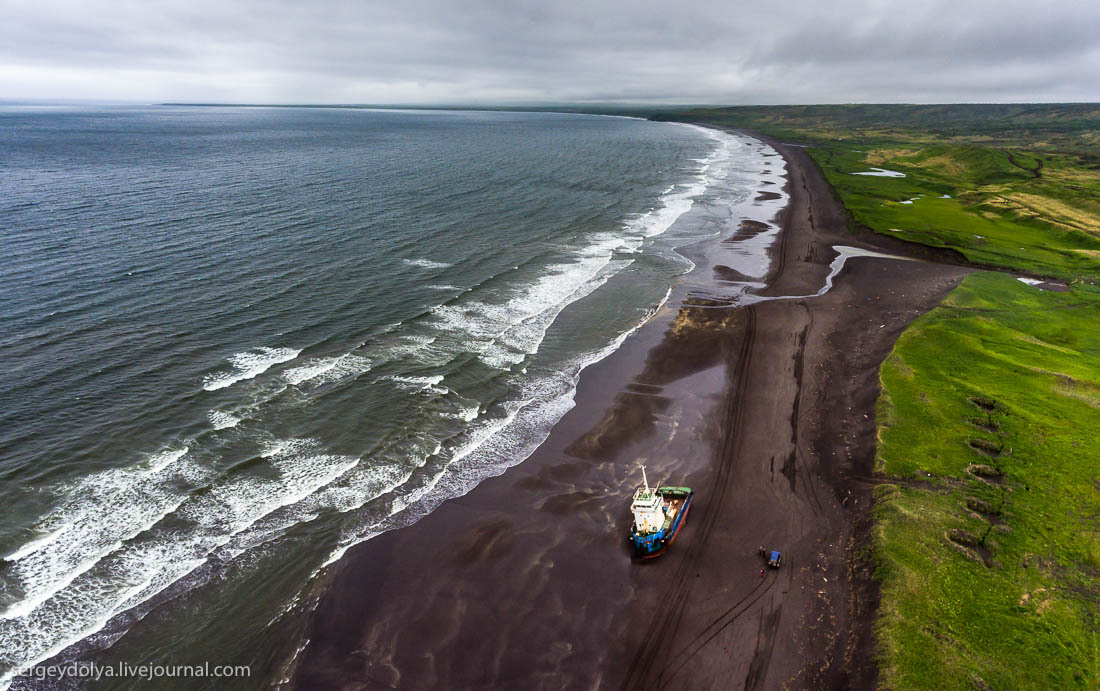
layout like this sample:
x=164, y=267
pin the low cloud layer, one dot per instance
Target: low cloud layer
x=436, y=51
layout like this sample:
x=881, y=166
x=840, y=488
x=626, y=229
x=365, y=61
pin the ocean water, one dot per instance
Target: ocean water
x=239, y=341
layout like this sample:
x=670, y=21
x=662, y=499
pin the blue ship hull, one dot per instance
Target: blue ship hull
x=648, y=546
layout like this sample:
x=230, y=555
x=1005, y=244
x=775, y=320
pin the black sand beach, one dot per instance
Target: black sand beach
x=766, y=410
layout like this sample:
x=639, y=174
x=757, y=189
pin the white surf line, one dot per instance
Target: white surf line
x=220, y=419
x=35, y=545
x=249, y=365
x=505, y=334
x=90, y=531
x=227, y=510
x=750, y=256
x=427, y=263
x=468, y=476
x=19, y=668
x=654, y=222
x=321, y=370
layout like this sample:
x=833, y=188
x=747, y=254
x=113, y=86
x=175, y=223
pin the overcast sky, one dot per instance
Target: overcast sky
x=478, y=51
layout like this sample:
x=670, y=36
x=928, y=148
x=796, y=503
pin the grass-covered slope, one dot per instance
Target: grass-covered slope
x=1013, y=209
x=987, y=526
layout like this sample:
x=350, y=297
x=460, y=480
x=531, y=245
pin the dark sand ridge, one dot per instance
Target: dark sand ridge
x=766, y=410
x=748, y=229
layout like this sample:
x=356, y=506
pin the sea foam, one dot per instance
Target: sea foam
x=222, y=420
x=111, y=555
x=248, y=365
x=505, y=333
x=426, y=263
x=328, y=369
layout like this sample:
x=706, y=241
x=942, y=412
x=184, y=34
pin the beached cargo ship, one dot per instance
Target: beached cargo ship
x=659, y=514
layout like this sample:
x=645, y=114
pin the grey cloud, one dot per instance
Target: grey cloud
x=481, y=51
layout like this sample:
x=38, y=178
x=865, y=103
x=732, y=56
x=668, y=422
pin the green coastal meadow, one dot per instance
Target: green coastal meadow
x=986, y=519
x=1004, y=209
x=985, y=524
x=985, y=537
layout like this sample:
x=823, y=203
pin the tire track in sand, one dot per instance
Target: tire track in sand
x=666, y=620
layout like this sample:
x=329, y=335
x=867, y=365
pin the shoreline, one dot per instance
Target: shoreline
x=526, y=580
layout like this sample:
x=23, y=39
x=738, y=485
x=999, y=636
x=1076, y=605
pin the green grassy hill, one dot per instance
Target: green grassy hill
x=986, y=533
x=1012, y=209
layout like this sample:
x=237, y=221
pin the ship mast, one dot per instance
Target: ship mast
x=644, y=480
